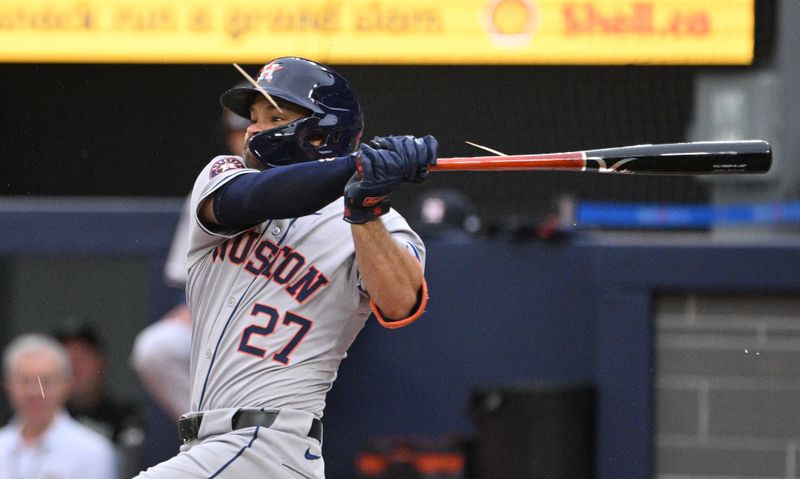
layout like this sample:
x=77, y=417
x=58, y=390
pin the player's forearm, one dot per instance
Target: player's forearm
x=390, y=274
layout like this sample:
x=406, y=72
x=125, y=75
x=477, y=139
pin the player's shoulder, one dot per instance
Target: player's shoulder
x=223, y=163
x=217, y=172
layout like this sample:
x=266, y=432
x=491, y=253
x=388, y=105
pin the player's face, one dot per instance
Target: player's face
x=235, y=141
x=264, y=116
x=37, y=386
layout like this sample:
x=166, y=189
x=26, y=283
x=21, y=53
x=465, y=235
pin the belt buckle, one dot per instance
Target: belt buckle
x=188, y=427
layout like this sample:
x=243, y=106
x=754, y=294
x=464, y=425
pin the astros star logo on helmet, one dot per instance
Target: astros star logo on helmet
x=268, y=71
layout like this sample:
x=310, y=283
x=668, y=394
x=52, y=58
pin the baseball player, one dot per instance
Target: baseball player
x=292, y=248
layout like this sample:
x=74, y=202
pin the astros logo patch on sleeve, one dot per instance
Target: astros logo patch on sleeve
x=224, y=164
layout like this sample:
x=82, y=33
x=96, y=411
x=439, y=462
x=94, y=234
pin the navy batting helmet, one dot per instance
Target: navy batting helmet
x=336, y=117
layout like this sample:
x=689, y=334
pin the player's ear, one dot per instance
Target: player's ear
x=317, y=139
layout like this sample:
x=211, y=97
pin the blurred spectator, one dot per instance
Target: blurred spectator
x=445, y=214
x=161, y=351
x=160, y=357
x=90, y=402
x=42, y=441
x=233, y=127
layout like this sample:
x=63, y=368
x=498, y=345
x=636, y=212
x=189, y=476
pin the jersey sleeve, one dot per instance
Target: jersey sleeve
x=217, y=173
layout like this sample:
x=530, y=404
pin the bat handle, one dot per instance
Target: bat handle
x=575, y=160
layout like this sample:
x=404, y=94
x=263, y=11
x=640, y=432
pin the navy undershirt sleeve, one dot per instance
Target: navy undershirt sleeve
x=282, y=192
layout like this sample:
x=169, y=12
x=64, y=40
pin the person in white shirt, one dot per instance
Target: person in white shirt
x=41, y=441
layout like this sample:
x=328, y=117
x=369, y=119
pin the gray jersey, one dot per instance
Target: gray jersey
x=275, y=307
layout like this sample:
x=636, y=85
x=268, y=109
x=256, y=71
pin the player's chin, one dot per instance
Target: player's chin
x=251, y=161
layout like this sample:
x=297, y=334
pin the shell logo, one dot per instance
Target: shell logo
x=511, y=21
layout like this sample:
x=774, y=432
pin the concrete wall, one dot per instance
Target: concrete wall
x=727, y=385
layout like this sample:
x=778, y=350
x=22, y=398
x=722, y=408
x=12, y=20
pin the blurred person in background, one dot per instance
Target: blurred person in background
x=42, y=440
x=90, y=401
x=446, y=214
x=160, y=354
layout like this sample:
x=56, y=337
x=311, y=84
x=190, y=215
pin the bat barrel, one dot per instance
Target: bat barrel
x=704, y=157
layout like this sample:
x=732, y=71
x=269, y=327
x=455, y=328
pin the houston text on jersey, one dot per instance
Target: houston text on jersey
x=283, y=265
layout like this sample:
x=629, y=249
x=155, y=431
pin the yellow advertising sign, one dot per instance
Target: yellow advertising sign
x=590, y=32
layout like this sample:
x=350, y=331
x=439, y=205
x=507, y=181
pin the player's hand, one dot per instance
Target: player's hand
x=378, y=173
x=417, y=154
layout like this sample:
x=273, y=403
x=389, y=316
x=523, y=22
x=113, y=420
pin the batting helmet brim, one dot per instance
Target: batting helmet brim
x=239, y=100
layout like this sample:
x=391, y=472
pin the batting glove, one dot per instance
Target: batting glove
x=417, y=154
x=378, y=173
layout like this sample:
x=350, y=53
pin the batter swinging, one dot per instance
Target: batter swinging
x=279, y=285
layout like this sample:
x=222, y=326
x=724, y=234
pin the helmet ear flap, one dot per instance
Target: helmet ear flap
x=322, y=142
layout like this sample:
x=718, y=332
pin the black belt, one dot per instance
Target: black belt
x=189, y=425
